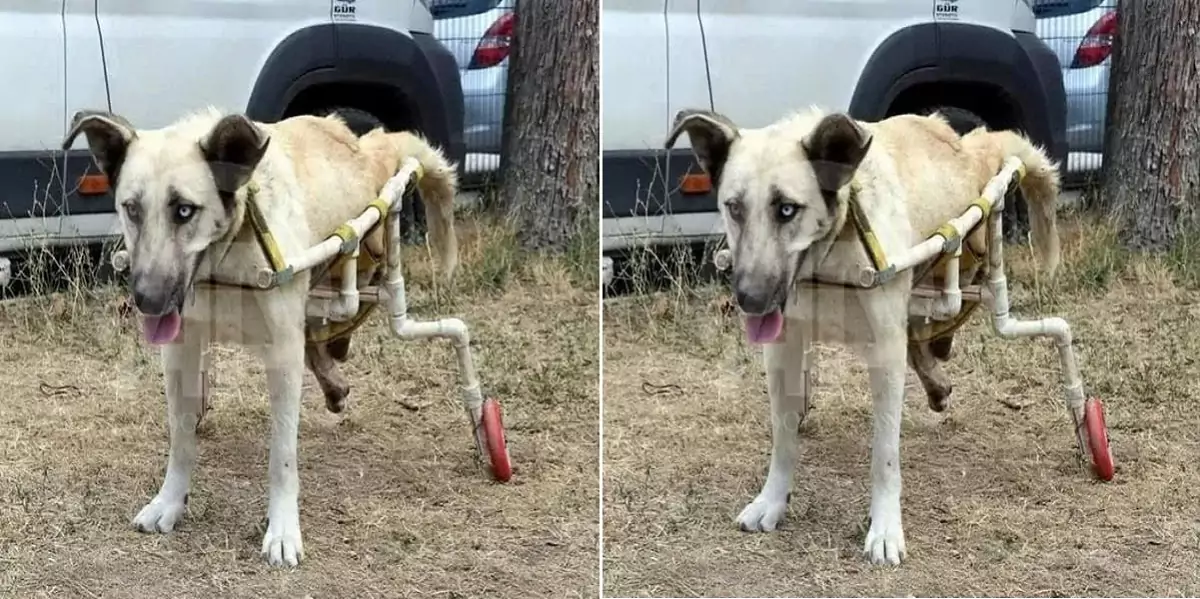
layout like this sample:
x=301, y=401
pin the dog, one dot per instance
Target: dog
x=183, y=198
x=784, y=194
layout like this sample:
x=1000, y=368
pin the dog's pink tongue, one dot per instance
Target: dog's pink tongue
x=160, y=330
x=765, y=328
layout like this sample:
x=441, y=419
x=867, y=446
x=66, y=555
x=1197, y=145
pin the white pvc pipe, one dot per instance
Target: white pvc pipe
x=454, y=329
x=345, y=305
x=949, y=303
x=332, y=245
x=1008, y=327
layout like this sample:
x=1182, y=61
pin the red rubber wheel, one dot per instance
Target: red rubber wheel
x=493, y=433
x=1097, y=432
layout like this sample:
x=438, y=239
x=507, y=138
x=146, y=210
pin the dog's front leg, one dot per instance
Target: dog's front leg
x=282, y=544
x=185, y=402
x=788, y=364
x=887, y=365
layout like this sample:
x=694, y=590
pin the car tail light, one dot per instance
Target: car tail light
x=1097, y=44
x=493, y=47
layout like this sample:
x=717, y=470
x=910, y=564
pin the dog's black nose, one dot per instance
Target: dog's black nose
x=151, y=300
x=752, y=302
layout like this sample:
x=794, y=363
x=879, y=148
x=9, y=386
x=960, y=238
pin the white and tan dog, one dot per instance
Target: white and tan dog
x=181, y=192
x=784, y=192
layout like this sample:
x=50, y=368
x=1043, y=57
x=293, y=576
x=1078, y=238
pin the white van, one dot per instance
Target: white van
x=757, y=60
x=375, y=61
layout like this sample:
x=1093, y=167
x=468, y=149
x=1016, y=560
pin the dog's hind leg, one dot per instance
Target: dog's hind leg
x=886, y=364
x=339, y=348
x=788, y=364
x=329, y=377
x=284, y=357
x=185, y=398
x=923, y=359
x=941, y=347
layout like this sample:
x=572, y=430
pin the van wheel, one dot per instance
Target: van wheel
x=962, y=120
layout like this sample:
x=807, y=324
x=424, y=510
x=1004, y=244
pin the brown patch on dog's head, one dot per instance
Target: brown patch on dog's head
x=710, y=135
x=108, y=137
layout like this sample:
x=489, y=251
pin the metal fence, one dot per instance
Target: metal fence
x=478, y=33
x=1080, y=32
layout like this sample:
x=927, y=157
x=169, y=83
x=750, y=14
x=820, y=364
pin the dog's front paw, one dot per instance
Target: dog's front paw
x=762, y=515
x=160, y=515
x=282, y=545
x=885, y=542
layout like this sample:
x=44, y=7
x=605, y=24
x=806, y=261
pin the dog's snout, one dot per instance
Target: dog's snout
x=152, y=298
x=753, y=298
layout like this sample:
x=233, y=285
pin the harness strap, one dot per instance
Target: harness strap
x=266, y=240
x=867, y=234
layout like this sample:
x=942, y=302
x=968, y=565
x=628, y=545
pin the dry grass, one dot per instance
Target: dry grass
x=995, y=502
x=393, y=503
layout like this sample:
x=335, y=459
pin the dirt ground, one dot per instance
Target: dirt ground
x=393, y=503
x=994, y=501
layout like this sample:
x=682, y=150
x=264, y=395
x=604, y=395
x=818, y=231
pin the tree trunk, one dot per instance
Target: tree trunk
x=550, y=150
x=1151, y=171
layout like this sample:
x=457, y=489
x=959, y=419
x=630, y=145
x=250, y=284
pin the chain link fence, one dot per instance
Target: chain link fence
x=478, y=33
x=1080, y=32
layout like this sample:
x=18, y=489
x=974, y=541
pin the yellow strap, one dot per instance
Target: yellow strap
x=863, y=226
x=263, y=233
x=419, y=172
x=1020, y=171
x=381, y=206
x=335, y=330
x=984, y=204
x=939, y=329
x=346, y=232
x=947, y=231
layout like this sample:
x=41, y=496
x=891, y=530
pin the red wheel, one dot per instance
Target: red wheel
x=493, y=433
x=1097, y=433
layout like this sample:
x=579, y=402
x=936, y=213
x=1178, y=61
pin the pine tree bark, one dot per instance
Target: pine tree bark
x=550, y=154
x=1151, y=172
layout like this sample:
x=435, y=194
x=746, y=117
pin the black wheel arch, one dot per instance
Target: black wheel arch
x=407, y=81
x=1010, y=78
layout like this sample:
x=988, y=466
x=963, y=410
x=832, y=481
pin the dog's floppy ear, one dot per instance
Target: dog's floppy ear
x=835, y=148
x=108, y=138
x=710, y=134
x=233, y=149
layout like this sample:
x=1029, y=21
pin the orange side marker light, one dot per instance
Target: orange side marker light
x=695, y=184
x=93, y=185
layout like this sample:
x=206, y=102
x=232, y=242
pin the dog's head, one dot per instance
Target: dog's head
x=176, y=192
x=779, y=191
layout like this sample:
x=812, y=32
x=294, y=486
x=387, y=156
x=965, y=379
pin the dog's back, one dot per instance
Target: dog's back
x=943, y=173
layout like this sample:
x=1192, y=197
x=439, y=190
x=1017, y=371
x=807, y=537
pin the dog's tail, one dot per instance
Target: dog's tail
x=1040, y=188
x=438, y=186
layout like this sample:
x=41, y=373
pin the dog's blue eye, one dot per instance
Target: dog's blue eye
x=787, y=211
x=184, y=212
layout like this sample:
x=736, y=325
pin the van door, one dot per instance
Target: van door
x=168, y=58
x=88, y=212
x=634, y=95
x=33, y=121
x=769, y=58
